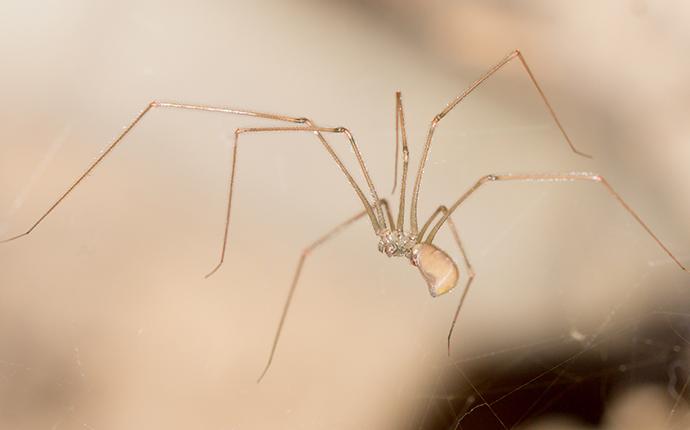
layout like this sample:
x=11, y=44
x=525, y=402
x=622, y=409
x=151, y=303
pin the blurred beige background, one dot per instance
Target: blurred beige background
x=106, y=321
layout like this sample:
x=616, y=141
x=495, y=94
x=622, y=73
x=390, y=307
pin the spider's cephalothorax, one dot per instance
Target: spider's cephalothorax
x=397, y=244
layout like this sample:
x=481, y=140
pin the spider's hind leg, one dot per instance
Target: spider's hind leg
x=560, y=178
x=307, y=251
x=470, y=270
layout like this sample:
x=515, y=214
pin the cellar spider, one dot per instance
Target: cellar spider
x=436, y=267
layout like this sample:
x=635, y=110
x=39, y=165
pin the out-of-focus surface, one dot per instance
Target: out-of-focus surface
x=106, y=320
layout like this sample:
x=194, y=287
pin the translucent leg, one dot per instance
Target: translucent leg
x=427, y=146
x=555, y=177
x=286, y=307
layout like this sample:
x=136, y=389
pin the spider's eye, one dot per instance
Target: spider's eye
x=390, y=249
x=437, y=268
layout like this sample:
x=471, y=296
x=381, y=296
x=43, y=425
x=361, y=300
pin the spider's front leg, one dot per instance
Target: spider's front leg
x=120, y=137
x=375, y=214
x=377, y=219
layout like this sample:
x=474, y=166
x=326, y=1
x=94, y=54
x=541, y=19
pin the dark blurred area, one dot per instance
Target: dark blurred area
x=635, y=378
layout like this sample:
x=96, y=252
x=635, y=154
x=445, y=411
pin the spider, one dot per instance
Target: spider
x=436, y=267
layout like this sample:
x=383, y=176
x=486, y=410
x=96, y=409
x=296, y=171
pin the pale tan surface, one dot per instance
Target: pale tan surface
x=106, y=321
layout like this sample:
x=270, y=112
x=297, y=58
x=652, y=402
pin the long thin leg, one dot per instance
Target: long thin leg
x=400, y=124
x=470, y=271
x=440, y=210
x=308, y=126
x=375, y=220
x=362, y=166
x=549, y=177
x=129, y=128
x=387, y=210
x=307, y=251
x=427, y=146
x=470, y=276
x=399, y=129
x=397, y=143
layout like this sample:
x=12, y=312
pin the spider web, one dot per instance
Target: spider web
x=571, y=377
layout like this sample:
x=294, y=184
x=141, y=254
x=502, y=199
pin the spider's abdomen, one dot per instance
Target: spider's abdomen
x=437, y=268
